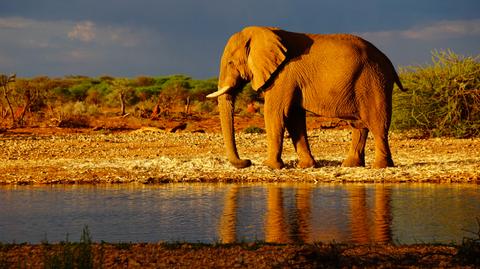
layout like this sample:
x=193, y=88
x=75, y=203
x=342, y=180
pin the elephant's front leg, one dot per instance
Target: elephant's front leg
x=275, y=127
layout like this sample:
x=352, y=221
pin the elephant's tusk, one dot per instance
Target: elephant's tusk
x=219, y=92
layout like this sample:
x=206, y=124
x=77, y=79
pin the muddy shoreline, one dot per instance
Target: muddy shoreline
x=242, y=255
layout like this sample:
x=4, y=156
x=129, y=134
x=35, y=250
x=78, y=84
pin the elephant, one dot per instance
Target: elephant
x=331, y=75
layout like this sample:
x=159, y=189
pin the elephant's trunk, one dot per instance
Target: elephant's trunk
x=226, y=108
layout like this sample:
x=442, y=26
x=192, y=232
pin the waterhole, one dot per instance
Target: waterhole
x=226, y=213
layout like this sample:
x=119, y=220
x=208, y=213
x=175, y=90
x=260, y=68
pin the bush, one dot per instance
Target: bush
x=74, y=121
x=93, y=97
x=246, y=97
x=79, y=92
x=201, y=88
x=171, y=97
x=443, y=99
x=79, y=109
x=145, y=93
x=71, y=255
x=143, y=81
x=254, y=130
x=206, y=106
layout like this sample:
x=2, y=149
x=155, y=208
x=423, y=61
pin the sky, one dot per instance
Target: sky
x=130, y=38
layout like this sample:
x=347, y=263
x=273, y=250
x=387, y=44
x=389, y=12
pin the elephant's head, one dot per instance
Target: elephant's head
x=252, y=55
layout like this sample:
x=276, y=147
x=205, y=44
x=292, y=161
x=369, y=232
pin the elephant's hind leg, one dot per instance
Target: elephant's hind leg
x=297, y=128
x=383, y=156
x=356, y=154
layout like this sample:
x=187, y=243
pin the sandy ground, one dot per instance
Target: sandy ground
x=152, y=155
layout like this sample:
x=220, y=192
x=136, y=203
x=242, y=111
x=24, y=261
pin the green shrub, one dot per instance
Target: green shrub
x=200, y=88
x=443, y=99
x=71, y=254
x=79, y=91
x=145, y=93
x=174, y=81
x=254, y=130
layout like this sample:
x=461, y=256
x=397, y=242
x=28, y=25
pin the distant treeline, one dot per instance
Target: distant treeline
x=443, y=98
x=29, y=100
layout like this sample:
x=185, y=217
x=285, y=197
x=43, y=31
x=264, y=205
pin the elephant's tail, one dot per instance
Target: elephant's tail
x=398, y=82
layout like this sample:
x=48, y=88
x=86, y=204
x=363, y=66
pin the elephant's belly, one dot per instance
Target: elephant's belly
x=333, y=100
x=341, y=110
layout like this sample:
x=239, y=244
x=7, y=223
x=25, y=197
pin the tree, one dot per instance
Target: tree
x=29, y=93
x=123, y=88
x=172, y=96
x=4, y=83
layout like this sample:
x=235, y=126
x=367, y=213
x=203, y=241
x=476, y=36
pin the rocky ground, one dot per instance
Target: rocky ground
x=152, y=155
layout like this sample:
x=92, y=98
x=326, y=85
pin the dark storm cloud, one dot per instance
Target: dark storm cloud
x=185, y=15
x=132, y=37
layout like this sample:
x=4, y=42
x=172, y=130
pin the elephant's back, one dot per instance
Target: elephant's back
x=340, y=39
x=345, y=46
x=336, y=38
x=334, y=49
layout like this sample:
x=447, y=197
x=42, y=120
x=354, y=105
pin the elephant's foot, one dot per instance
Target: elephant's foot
x=276, y=164
x=353, y=162
x=383, y=163
x=307, y=163
x=241, y=163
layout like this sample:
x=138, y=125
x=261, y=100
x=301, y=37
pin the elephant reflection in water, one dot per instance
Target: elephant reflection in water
x=228, y=233
x=296, y=227
x=360, y=220
x=275, y=225
x=281, y=227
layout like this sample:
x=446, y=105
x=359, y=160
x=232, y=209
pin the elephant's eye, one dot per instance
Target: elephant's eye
x=230, y=62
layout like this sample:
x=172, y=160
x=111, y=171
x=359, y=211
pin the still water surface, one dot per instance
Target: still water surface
x=404, y=213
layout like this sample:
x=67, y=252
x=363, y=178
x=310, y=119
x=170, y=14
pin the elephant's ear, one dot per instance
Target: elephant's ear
x=266, y=54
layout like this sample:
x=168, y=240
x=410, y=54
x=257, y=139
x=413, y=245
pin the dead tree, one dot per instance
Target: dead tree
x=4, y=83
x=187, y=105
x=31, y=93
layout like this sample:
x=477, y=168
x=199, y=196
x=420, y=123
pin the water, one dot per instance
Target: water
x=404, y=213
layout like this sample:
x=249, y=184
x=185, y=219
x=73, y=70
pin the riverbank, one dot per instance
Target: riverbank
x=243, y=255
x=152, y=155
